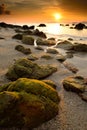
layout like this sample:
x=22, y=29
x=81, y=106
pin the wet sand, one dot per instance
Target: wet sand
x=72, y=110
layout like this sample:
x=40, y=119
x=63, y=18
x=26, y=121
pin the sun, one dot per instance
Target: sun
x=57, y=16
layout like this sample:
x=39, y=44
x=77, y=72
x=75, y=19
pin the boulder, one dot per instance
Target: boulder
x=80, y=26
x=27, y=68
x=52, y=50
x=39, y=48
x=80, y=47
x=32, y=57
x=74, y=84
x=28, y=40
x=31, y=27
x=39, y=33
x=65, y=45
x=25, y=27
x=46, y=56
x=40, y=41
x=27, y=103
x=18, y=36
x=41, y=25
x=60, y=58
x=23, y=50
x=51, y=83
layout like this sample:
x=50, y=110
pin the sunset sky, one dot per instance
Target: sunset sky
x=25, y=11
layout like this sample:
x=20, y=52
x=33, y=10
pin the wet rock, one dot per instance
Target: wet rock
x=60, y=58
x=39, y=48
x=46, y=56
x=26, y=103
x=75, y=84
x=52, y=38
x=80, y=26
x=41, y=25
x=70, y=39
x=28, y=40
x=65, y=45
x=80, y=47
x=69, y=55
x=18, y=36
x=25, y=27
x=70, y=67
x=23, y=50
x=32, y=57
x=40, y=41
x=27, y=68
x=52, y=50
x=31, y=27
x=39, y=33
x=51, y=83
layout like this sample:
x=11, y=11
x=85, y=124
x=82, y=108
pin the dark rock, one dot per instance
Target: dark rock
x=18, y=36
x=60, y=58
x=80, y=26
x=65, y=45
x=2, y=38
x=31, y=27
x=52, y=50
x=40, y=41
x=29, y=69
x=39, y=33
x=23, y=50
x=70, y=39
x=32, y=57
x=39, y=48
x=25, y=27
x=46, y=56
x=28, y=40
x=27, y=103
x=2, y=24
x=41, y=25
x=80, y=47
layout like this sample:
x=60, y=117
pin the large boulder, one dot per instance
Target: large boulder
x=65, y=45
x=40, y=41
x=26, y=103
x=75, y=84
x=29, y=69
x=28, y=40
x=80, y=26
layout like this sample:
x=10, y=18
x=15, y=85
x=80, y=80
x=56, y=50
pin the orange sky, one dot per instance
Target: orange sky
x=25, y=11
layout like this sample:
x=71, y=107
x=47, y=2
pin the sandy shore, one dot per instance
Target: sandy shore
x=72, y=110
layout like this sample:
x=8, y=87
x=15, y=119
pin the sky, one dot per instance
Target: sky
x=25, y=11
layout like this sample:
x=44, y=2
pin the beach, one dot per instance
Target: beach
x=72, y=109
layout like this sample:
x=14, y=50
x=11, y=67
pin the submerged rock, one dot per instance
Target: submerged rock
x=29, y=69
x=26, y=103
x=80, y=47
x=18, y=36
x=23, y=50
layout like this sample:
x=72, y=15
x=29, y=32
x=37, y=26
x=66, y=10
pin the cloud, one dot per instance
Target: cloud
x=3, y=10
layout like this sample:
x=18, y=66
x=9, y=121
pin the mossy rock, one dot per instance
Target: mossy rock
x=28, y=40
x=51, y=83
x=23, y=49
x=47, y=57
x=27, y=68
x=74, y=84
x=26, y=103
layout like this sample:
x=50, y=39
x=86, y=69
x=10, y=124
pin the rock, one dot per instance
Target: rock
x=80, y=47
x=29, y=69
x=74, y=84
x=60, y=58
x=70, y=67
x=52, y=38
x=41, y=25
x=80, y=26
x=25, y=27
x=66, y=24
x=65, y=45
x=40, y=41
x=23, y=50
x=46, y=56
x=32, y=57
x=2, y=24
x=51, y=83
x=1, y=38
x=69, y=55
x=18, y=36
x=28, y=40
x=39, y=48
x=27, y=103
x=70, y=39
x=39, y=33
x=83, y=96
x=31, y=27
x=52, y=50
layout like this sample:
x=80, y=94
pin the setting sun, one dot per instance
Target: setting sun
x=57, y=16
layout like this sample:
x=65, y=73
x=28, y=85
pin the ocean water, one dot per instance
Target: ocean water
x=64, y=32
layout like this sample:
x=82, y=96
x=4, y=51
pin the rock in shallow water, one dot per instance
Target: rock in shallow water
x=26, y=103
x=29, y=69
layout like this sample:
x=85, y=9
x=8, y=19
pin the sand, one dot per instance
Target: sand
x=72, y=110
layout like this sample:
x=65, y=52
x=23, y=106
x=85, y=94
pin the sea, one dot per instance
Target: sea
x=63, y=32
